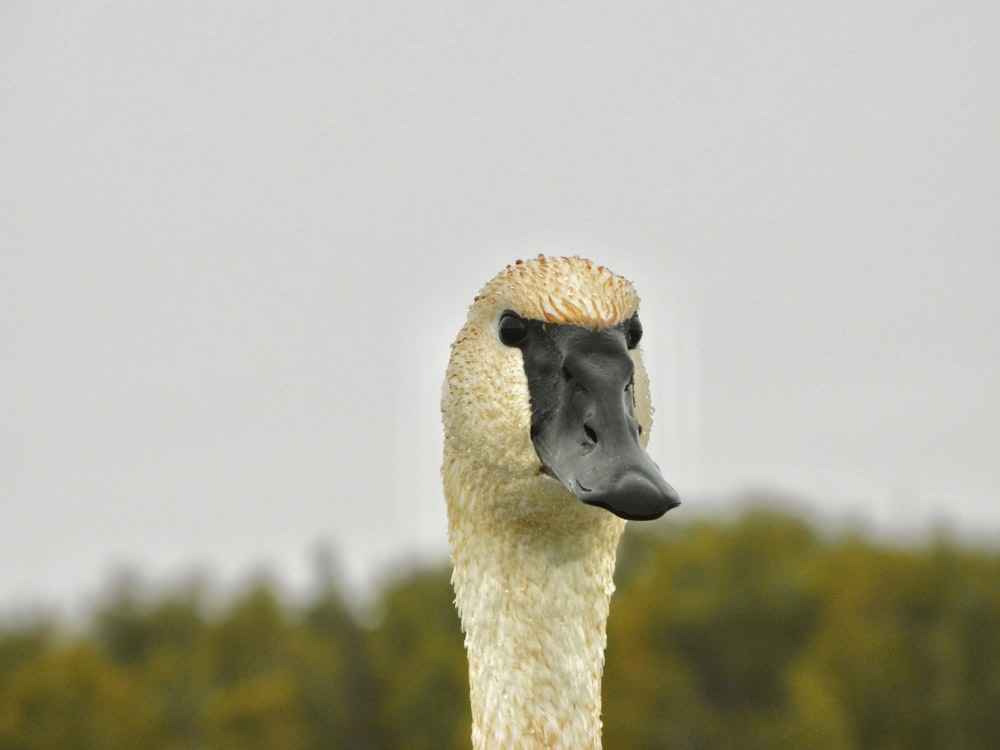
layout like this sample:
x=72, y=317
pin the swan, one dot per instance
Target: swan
x=546, y=415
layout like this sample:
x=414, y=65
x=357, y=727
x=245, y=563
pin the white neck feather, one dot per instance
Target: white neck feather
x=533, y=591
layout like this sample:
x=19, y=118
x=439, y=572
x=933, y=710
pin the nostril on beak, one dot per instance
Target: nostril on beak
x=589, y=432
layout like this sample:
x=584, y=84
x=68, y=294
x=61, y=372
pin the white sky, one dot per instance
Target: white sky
x=236, y=240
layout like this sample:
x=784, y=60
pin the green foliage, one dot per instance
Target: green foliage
x=418, y=658
x=757, y=633
x=701, y=643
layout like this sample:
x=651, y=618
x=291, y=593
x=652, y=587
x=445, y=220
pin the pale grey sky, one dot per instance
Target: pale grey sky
x=236, y=240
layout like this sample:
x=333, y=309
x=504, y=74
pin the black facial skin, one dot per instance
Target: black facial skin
x=583, y=423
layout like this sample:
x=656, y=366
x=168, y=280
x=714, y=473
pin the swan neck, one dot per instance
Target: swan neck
x=535, y=614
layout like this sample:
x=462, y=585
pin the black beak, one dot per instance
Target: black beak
x=583, y=423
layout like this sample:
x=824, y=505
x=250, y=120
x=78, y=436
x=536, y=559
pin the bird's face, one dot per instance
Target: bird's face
x=546, y=393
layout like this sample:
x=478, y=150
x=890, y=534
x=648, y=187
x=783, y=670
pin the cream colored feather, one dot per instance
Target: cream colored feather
x=533, y=565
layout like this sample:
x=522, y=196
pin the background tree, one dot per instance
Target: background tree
x=758, y=632
x=418, y=659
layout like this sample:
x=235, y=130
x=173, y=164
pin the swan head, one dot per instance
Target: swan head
x=546, y=400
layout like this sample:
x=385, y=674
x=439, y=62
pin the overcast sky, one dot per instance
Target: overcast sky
x=236, y=240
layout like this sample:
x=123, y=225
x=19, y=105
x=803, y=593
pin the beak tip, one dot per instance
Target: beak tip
x=640, y=502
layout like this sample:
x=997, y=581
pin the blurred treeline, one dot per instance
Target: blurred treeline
x=756, y=633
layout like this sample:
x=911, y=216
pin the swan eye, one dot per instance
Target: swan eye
x=511, y=328
x=634, y=332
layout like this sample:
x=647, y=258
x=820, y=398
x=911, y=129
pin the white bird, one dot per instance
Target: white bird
x=546, y=413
